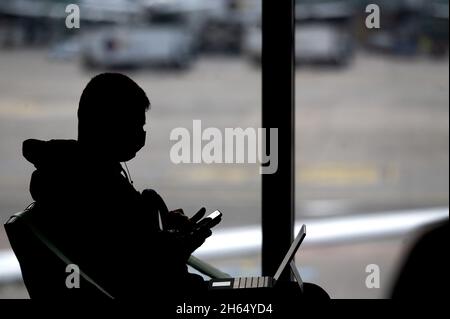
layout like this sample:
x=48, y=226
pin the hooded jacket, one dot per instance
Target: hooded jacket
x=91, y=212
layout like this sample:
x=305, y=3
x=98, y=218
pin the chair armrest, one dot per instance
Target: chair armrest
x=206, y=269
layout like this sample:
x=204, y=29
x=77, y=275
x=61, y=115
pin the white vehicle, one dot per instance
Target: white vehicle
x=165, y=40
x=322, y=42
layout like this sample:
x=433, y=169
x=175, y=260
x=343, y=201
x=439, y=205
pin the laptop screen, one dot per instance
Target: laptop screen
x=291, y=252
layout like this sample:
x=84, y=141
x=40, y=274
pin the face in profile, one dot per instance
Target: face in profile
x=111, y=116
x=128, y=137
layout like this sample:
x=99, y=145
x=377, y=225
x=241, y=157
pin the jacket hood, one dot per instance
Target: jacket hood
x=45, y=154
x=56, y=162
x=62, y=167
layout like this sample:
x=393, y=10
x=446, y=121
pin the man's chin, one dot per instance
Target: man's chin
x=126, y=158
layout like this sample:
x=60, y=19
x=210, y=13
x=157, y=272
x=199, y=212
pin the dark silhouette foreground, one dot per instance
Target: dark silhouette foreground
x=423, y=274
x=86, y=206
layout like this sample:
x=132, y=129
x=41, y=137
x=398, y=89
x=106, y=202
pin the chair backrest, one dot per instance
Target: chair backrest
x=42, y=265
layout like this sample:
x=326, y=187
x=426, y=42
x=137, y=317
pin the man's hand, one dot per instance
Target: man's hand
x=178, y=221
x=193, y=231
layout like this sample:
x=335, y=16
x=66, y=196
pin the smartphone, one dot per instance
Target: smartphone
x=213, y=217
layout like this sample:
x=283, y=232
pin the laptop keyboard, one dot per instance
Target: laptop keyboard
x=251, y=282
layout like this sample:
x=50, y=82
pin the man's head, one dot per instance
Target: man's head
x=111, y=116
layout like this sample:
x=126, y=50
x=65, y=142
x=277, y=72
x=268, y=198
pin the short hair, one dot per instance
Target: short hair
x=109, y=97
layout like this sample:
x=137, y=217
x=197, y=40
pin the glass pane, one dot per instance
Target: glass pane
x=372, y=135
x=194, y=61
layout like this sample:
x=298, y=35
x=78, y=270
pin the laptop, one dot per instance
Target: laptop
x=266, y=281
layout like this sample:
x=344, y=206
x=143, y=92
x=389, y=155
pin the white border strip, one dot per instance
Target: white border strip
x=327, y=230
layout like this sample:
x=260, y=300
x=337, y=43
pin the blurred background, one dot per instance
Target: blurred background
x=372, y=119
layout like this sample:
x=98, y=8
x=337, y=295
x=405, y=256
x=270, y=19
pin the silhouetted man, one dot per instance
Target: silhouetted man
x=90, y=210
